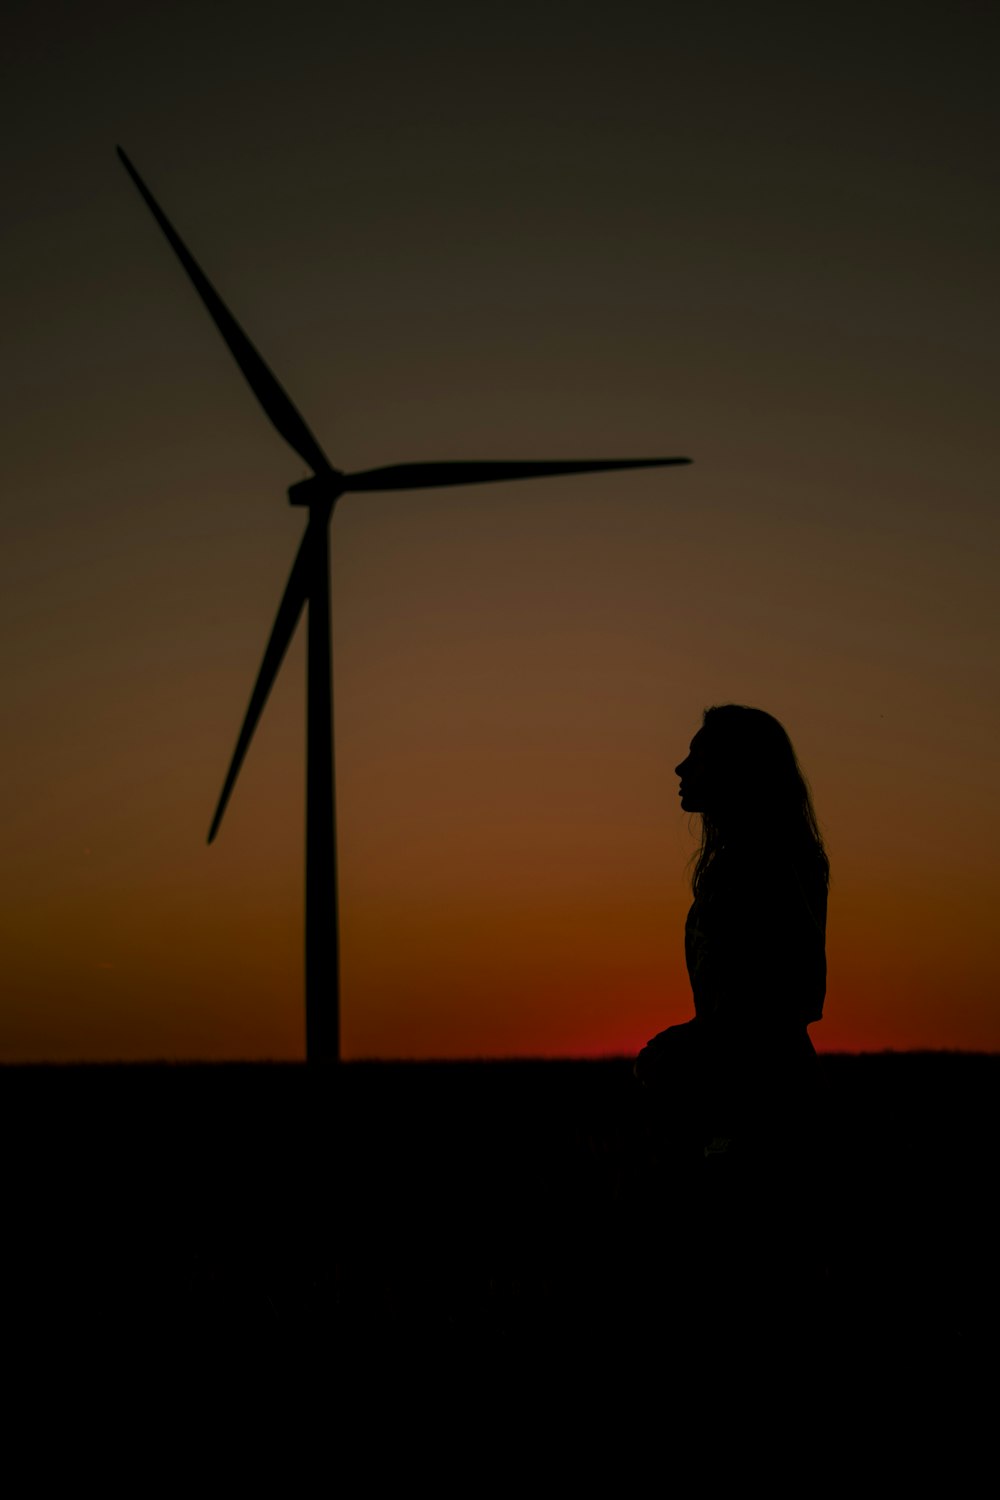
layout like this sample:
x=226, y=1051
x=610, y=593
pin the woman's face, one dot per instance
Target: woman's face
x=699, y=788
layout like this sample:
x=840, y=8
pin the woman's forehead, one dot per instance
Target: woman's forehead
x=706, y=742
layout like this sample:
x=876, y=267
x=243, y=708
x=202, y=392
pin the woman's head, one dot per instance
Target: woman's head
x=741, y=765
x=742, y=775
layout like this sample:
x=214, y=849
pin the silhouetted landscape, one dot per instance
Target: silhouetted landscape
x=423, y=1228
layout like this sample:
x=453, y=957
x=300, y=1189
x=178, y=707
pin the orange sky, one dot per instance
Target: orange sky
x=772, y=250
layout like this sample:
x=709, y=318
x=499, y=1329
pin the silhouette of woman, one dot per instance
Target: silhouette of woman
x=755, y=941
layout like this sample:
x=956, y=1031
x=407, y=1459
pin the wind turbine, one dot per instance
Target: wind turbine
x=309, y=582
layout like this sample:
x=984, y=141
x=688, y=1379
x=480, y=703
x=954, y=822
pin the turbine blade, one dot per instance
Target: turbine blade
x=272, y=397
x=428, y=475
x=289, y=610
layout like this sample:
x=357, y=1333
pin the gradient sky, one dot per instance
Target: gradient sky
x=764, y=236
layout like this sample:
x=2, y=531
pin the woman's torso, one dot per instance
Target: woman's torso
x=755, y=941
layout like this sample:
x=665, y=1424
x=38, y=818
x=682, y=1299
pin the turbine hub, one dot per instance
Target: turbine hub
x=318, y=489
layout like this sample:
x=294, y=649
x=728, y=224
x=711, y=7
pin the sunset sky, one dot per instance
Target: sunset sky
x=763, y=236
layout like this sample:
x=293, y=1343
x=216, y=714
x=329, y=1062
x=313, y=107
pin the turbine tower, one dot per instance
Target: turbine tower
x=309, y=582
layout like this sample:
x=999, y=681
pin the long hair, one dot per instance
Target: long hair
x=767, y=798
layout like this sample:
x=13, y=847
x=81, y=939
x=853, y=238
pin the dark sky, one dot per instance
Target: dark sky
x=762, y=236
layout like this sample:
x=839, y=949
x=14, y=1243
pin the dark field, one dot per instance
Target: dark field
x=494, y=1233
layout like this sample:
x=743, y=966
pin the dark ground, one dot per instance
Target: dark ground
x=497, y=1239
